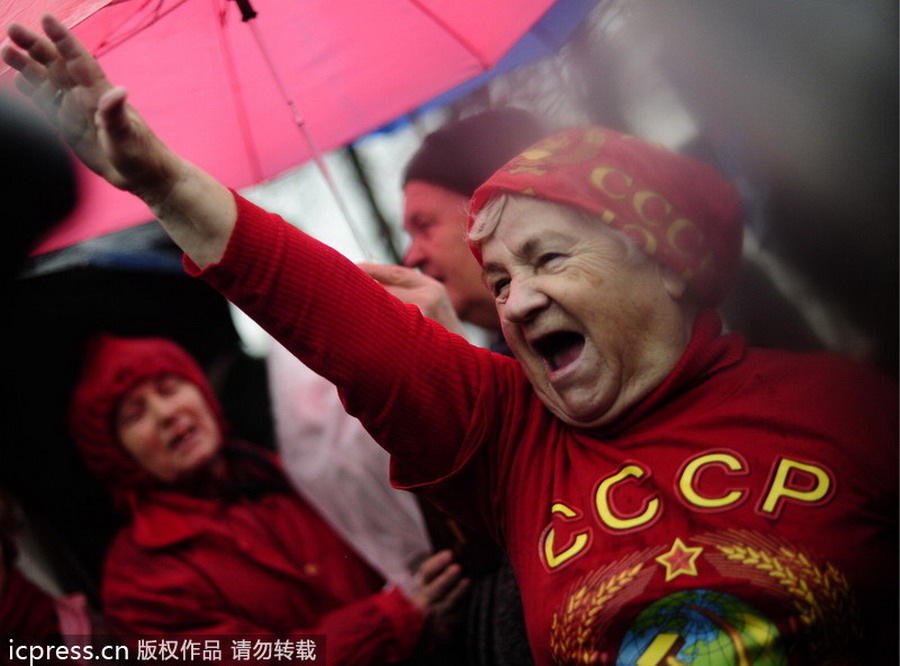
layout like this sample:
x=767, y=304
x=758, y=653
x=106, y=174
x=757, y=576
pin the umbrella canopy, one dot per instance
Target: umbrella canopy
x=201, y=78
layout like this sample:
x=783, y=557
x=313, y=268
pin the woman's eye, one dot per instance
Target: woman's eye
x=548, y=258
x=129, y=413
x=498, y=287
x=167, y=384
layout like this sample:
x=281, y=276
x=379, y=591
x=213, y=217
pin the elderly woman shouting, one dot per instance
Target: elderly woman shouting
x=665, y=494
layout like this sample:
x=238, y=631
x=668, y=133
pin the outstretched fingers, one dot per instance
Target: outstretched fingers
x=38, y=48
x=42, y=72
x=81, y=67
x=54, y=63
x=28, y=76
x=32, y=76
x=27, y=67
x=65, y=81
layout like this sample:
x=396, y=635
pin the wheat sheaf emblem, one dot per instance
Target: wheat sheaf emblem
x=580, y=619
x=819, y=593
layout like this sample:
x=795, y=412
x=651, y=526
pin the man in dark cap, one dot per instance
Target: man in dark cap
x=438, y=182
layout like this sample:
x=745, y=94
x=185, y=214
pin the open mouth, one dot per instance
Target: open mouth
x=559, y=349
x=181, y=436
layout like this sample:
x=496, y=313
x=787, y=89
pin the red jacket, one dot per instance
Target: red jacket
x=270, y=566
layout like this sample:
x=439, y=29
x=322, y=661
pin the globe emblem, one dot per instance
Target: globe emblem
x=701, y=628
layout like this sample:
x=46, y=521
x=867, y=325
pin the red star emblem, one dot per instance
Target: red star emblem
x=680, y=560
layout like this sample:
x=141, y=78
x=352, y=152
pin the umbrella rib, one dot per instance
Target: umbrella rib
x=112, y=41
x=237, y=95
x=316, y=154
x=449, y=29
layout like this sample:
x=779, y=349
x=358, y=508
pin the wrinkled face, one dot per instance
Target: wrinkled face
x=435, y=219
x=595, y=326
x=167, y=426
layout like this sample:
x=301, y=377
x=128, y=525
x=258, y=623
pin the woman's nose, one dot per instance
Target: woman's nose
x=162, y=408
x=524, y=301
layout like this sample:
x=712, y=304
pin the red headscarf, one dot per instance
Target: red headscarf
x=112, y=366
x=681, y=212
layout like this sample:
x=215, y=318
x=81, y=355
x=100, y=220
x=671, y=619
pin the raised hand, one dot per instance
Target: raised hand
x=109, y=136
x=69, y=86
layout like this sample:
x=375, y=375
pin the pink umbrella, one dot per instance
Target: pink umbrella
x=215, y=88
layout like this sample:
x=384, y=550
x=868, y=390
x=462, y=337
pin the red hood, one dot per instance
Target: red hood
x=111, y=367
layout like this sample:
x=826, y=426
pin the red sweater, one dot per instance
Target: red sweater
x=743, y=511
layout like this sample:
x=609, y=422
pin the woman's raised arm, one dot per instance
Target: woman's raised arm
x=94, y=117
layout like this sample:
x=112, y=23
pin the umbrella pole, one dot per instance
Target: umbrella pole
x=247, y=15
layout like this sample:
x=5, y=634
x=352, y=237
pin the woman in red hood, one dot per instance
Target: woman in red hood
x=218, y=544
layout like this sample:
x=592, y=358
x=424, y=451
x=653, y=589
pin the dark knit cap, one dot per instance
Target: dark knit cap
x=463, y=154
